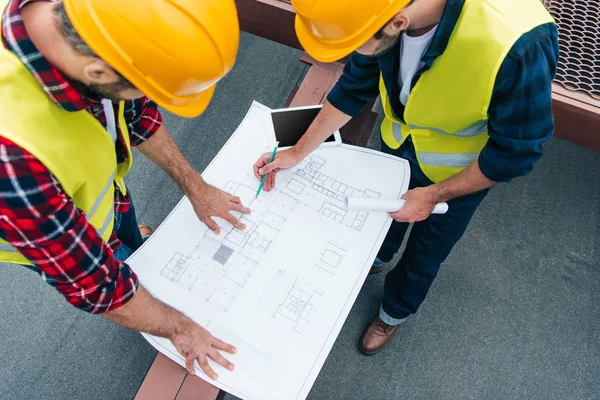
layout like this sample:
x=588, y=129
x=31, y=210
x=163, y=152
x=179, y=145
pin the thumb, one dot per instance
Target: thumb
x=269, y=167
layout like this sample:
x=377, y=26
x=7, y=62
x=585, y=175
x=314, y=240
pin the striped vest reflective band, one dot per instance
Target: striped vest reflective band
x=446, y=112
x=74, y=146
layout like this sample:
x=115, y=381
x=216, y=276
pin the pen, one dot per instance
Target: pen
x=262, y=181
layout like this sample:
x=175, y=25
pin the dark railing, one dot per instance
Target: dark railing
x=579, y=38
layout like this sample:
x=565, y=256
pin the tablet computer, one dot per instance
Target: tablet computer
x=290, y=124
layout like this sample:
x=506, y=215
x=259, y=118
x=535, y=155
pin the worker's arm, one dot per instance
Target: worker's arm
x=421, y=201
x=207, y=200
x=520, y=121
x=329, y=120
x=358, y=85
x=148, y=134
x=42, y=223
x=144, y=313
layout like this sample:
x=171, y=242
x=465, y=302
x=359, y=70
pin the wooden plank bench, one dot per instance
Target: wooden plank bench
x=167, y=380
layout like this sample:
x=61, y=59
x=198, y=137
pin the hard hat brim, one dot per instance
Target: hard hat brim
x=320, y=50
x=190, y=109
x=328, y=51
x=188, y=106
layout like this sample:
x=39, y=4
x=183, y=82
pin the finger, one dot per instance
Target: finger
x=189, y=366
x=240, y=207
x=207, y=369
x=236, y=199
x=216, y=356
x=398, y=216
x=233, y=221
x=269, y=167
x=271, y=179
x=221, y=345
x=262, y=161
x=211, y=224
x=267, y=185
x=256, y=168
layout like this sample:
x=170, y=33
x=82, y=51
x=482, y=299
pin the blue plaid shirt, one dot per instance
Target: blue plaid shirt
x=520, y=114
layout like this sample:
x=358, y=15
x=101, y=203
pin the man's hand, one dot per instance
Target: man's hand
x=419, y=205
x=420, y=202
x=329, y=120
x=144, y=313
x=197, y=344
x=208, y=201
x=283, y=160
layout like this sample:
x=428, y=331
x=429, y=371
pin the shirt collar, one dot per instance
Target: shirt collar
x=450, y=17
x=16, y=39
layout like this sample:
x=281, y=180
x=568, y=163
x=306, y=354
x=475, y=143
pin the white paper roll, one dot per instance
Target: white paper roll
x=384, y=205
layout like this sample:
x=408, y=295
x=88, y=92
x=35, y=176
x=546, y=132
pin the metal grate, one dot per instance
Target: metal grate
x=579, y=38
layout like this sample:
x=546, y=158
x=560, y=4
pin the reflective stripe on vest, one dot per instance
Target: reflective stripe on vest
x=7, y=247
x=108, y=185
x=109, y=218
x=397, y=130
x=481, y=127
x=446, y=160
x=447, y=110
x=105, y=224
x=469, y=132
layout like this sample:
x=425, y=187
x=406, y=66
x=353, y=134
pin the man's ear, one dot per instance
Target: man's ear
x=399, y=23
x=98, y=72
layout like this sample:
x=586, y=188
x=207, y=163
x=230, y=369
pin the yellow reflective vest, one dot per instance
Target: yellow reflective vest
x=446, y=113
x=74, y=146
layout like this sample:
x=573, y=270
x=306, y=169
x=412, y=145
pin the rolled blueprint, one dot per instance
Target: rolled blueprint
x=384, y=205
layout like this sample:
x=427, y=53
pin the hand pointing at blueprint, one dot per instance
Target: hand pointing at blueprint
x=215, y=202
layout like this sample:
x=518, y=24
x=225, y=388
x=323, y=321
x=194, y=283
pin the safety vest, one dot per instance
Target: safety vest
x=74, y=146
x=447, y=111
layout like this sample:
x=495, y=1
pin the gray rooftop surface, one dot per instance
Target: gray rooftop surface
x=514, y=313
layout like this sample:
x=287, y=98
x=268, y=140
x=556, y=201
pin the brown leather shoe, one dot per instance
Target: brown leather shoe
x=377, y=336
x=376, y=270
x=145, y=230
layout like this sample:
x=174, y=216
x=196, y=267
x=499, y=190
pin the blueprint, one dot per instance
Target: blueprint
x=281, y=289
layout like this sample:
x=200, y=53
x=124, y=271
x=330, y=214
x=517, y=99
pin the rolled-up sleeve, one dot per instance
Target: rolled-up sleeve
x=520, y=113
x=143, y=119
x=358, y=85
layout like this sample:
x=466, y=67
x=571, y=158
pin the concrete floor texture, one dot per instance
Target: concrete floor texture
x=513, y=314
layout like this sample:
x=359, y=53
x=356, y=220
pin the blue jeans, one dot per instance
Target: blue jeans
x=128, y=233
x=429, y=243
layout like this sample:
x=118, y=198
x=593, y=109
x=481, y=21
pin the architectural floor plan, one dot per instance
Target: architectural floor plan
x=280, y=289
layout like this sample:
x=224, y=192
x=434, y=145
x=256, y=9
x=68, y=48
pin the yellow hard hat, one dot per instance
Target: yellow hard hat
x=174, y=51
x=331, y=29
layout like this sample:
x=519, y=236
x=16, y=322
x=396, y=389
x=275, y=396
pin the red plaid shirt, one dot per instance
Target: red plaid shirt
x=38, y=218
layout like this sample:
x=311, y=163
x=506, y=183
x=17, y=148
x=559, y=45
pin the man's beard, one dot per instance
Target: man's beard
x=111, y=91
x=386, y=43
